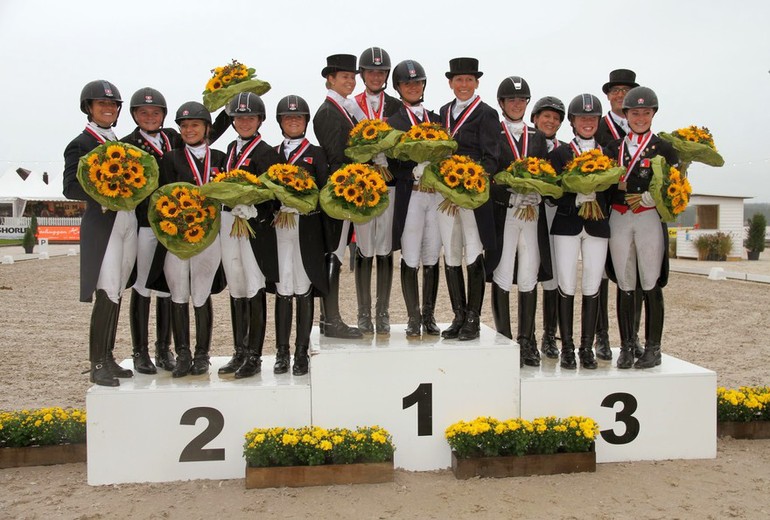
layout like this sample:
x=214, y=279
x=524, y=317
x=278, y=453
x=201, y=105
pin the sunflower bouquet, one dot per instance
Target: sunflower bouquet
x=589, y=172
x=294, y=187
x=227, y=81
x=237, y=187
x=118, y=175
x=693, y=144
x=356, y=192
x=426, y=142
x=369, y=138
x=530, y=175
x=185, y=221
x=669, y=188
x=462, y=182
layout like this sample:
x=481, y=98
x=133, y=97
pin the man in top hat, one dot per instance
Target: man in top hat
x=611, y=127
x=476, y=128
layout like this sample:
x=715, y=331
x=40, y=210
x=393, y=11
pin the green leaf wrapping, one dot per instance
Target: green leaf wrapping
x=343, y=210
x=363, y=153
x=231, y=193
x=304, y=203
x=422, y=151
x=176, y=244
x=588, y=183
x=151, y=170
x=530, y=185
x=219, y=98
x=431, y=178
x=689, y=151
x=657, y=188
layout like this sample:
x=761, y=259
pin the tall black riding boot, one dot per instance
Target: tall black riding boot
x=654, y=314
x=103, y=315
x=501, y=310
x=283, y=317
x=252, y=363
x=429, y=295
x=411, y=299
x=639, y=297
x=180, y=326
x=588, y=314
x=239, y=319
x=566, y=316
x=112, y=365
x=204, y=321
x=139, y=319
x=626, y=305
x=302, y=340
x=526, y=328
x=455, y=282
x=333, y=326
x=363, y=277
x=602, y=343
x=550, y=322
x=476, y=282
x=384, y=285
x=164, y=358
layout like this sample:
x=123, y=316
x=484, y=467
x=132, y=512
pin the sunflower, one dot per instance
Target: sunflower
x=110, y=189
x=169, y=210
x=93, y=160
x=200, y=215
x=481, y=184
x=126, y=192
x=178, y=191
x=369, y=133
x=212, y=211
x=134, y=153
x=135, y=168
x=533, y=169
x=431, y=136
x=95, y=174
x=227, y=78
x=351, y=192
x=358, y=200
x=111, y=169
x=138, y=181
x=673, y=189
x=168, y=227
x=339, y=190
x=373, y=199
x=189, y=217
x=339, y=178
x=116, y=152
x=588, y=167
x=186, y=202
x=253, y=179
x=221, y=177
x=194, y=234
x=451, y=179
x=162, y=202
x=214, y=84
x=298, y=184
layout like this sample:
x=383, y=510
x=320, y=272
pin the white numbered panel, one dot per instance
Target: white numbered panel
x=667, y=412
x=154, y=428
x=414, y=389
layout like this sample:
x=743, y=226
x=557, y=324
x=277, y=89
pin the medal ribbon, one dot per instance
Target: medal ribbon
x=96, y=135
x=463, y=117
x=512, y=142
x=342, y=110
x=413, y=118
x=622, y=153
x=367, y=109
x=299, y=151
x=245, y=152
x=200, y=180
x=611, y=126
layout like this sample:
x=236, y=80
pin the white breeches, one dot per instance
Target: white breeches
x=553, y=283
x=146, y=244
x=519, y=237
x=376, y=236
x=193, y=277
x=339, y=252
x=636, y=243
x=119, y=257
x=291, y=271
x=244, y=277
x=457, y=232
x=593, y=250
x=421, y=240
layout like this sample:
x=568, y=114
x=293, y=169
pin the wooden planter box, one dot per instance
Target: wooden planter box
x=42, y=455
x=324, y=475
x=523, y=466
x=744, y=430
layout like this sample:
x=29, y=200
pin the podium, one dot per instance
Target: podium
x=154, y=428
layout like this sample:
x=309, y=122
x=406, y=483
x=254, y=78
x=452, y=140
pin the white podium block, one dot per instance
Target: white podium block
x=666, y=412
x=154, y=428
x=7, y=259
x=413, y=388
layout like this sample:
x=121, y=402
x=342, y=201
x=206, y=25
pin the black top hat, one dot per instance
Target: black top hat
x=620, y=77
x=339, y=62
x=458, y=66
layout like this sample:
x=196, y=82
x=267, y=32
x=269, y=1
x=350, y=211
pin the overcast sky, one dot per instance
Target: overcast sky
x=708, y=61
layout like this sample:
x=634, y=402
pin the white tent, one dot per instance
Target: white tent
x=15, y=190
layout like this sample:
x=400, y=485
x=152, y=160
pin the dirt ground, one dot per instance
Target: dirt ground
x=720, y=325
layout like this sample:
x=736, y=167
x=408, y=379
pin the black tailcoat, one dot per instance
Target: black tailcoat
x=604, y=135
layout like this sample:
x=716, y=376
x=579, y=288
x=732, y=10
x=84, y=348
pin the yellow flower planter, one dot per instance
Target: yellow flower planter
x=523, y=466
x=42, y=455
x=324, y=475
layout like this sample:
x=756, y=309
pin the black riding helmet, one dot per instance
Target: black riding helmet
x=584, y=105
x=513, y=87
x=148, y=97
x=409, y=70
x=375, y=58
x=246, y=104
x=99, y=89
x=640, y=97
x=548, y=103
x=292, y=105
x=193, y=110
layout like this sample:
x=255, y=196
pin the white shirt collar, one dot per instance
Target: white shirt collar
x=107, y=133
